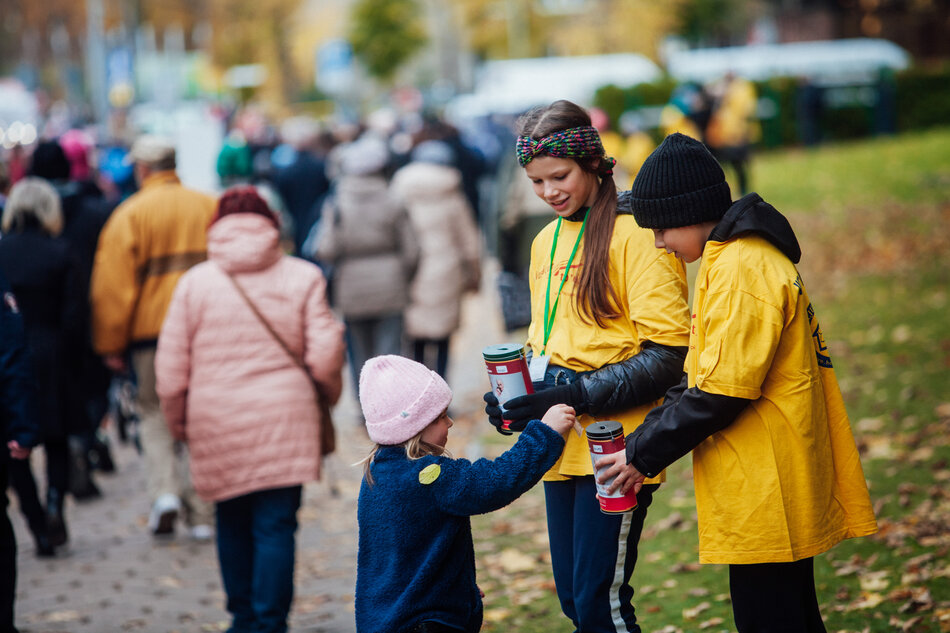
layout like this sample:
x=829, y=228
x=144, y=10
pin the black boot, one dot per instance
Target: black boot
x=55, y=519
x=81, y=484
x=44, y=549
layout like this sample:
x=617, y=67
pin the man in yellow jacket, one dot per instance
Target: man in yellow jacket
x=146, y=246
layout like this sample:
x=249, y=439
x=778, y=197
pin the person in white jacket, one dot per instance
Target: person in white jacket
x=431, y=190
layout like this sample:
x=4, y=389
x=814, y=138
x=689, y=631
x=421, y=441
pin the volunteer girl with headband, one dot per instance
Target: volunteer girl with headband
x=608, y=336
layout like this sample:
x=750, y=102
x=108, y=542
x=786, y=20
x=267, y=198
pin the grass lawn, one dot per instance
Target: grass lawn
x=873, y=218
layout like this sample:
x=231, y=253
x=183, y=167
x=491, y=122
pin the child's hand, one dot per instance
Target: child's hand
x=560, y=417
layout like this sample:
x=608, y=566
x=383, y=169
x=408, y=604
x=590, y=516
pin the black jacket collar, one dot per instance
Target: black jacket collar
x=752, y=214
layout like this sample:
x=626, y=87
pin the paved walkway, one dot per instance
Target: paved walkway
x=116, y=577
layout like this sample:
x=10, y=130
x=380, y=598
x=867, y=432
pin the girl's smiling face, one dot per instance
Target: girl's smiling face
x=562, y=183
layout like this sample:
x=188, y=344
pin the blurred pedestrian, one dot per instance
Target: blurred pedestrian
x=20, y=434
x=732, y=125
x=85, y=212
x=468, y=161
x=368, y=239
x=243, y=400
x=608, y=336
x=300, y=177
x=637, y=146
x=45, y=280
x=147, y=244
x=233, y=165
x=430, y=188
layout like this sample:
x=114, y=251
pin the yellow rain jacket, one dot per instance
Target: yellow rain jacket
x=147, y=244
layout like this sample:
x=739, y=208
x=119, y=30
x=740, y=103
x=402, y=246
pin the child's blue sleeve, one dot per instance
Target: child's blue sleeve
x=464, y=488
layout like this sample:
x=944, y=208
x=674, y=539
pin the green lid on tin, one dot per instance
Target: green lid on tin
x=503, y=352
x=604, y=431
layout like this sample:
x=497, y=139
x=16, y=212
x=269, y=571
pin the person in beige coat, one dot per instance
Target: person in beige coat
x=431, y=190
x=244, y=406
x=366, y=238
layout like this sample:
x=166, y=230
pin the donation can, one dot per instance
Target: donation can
x=606, y=438
x=507, y=373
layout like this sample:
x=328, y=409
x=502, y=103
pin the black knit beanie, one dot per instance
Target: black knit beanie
x=679, y=184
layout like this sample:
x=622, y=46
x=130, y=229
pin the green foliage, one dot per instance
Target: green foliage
x=923, y=98
x=385, y=34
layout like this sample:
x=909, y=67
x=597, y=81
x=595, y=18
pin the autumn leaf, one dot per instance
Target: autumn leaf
x=693, y=613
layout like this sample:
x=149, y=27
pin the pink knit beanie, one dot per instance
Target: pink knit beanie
x=400, y=397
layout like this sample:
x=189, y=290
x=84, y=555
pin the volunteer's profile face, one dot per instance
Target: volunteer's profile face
x=686, y=242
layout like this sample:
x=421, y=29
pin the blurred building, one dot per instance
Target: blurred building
x=919, y=26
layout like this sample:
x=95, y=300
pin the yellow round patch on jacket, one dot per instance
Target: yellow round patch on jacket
x=429, y=474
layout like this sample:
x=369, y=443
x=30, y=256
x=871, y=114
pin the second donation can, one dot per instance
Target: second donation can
x=606, y=438
x=507, y=373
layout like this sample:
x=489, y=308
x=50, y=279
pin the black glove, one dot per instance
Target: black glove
x=523, y=409
x=493, y=409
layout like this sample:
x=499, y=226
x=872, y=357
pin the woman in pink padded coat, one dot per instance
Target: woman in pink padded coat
x=245, y=408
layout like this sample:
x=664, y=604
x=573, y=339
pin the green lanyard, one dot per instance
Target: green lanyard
x=548, y=310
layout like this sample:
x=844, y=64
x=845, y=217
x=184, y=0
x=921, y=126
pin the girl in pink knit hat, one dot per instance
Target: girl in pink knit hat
x=416, y=560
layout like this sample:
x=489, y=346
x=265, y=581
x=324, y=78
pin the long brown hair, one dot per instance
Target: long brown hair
x=595, y=297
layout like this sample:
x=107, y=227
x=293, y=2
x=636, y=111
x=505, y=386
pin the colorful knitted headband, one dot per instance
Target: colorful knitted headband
x=576, y=142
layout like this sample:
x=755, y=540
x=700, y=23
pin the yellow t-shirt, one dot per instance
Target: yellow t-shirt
x=784, y=481
x=651, y=286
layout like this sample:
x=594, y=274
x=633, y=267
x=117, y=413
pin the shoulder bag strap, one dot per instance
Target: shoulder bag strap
x=266, y=323
x=327, y=432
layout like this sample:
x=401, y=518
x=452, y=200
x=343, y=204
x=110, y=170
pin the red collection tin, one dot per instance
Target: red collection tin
x=606, y=438
x=507, y=373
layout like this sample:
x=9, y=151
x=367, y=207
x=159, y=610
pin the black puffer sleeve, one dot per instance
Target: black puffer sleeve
x=642, y=378
x=686, y=418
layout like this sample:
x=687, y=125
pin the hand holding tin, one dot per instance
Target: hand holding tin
x=493, y=411
x=625, y=476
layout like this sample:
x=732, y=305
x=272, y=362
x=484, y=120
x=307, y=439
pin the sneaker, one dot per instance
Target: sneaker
x=164, y=513
x=202, y=533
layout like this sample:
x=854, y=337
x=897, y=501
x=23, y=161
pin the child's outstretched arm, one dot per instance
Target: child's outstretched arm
x=465, y=488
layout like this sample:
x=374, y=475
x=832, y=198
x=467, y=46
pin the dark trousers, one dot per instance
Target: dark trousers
x=256, y=551
x=593, y=555
x=775, y=598
x=7, y=558
x=423, y=349
x=57, y=464
x=24, y=485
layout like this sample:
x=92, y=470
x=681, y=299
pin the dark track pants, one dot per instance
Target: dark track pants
x=775, y=598
x=593, y=555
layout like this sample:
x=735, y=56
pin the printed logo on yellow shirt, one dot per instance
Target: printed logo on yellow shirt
x=821, y=349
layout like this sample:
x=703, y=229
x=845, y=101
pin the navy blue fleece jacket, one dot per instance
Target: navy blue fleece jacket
x=416, y=559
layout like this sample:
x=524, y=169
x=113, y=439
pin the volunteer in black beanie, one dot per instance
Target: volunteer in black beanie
x=759, y=406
